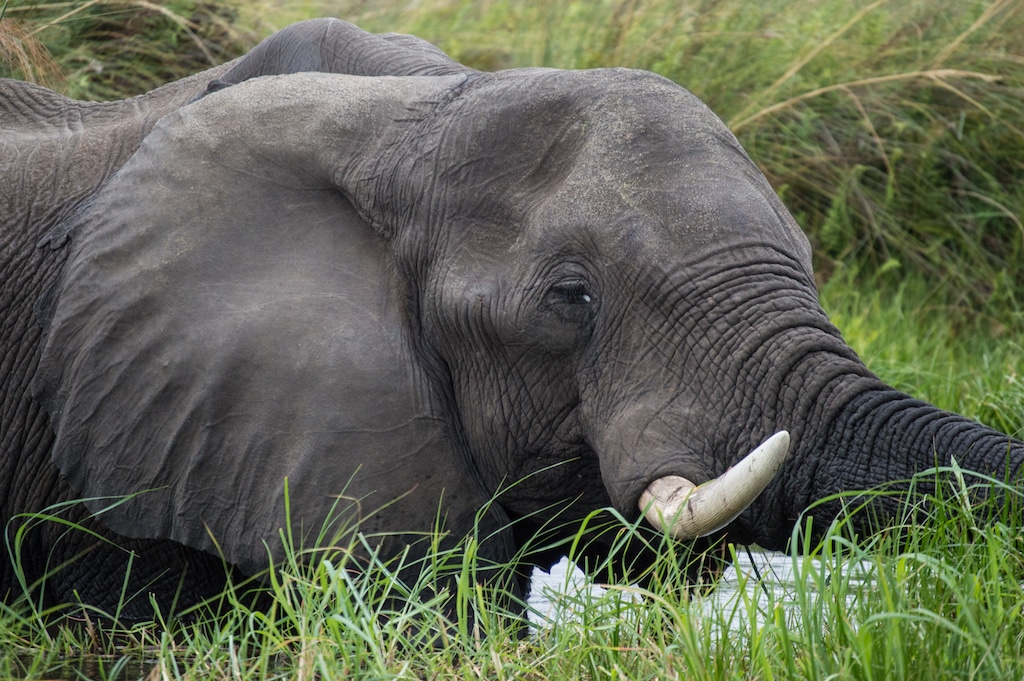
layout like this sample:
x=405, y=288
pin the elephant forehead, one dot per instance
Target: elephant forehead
x=619, y=155
x=669, y=208
x=522, y=131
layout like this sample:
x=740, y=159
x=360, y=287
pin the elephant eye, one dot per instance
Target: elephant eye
x=574, y=293
x=572, y=300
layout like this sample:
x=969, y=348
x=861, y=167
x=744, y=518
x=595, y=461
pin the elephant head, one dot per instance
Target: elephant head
x=412, y=289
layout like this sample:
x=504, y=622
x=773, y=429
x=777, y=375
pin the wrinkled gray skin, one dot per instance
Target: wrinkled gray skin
x=412, y=281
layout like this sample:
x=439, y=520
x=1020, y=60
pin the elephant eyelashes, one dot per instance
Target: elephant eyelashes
x=572, y=301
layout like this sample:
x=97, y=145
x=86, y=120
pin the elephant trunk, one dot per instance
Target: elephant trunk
x=877, y=439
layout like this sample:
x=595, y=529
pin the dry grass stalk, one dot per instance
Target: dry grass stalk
x=939, y=76
x=23, y=56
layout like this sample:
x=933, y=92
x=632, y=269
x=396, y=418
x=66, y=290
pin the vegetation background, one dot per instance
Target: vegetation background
x=894, y=132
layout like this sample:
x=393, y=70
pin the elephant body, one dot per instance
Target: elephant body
x=345, y=281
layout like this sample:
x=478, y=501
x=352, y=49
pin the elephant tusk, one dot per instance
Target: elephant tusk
x=687, y=511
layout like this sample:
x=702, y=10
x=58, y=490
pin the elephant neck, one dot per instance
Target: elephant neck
x=863, y=435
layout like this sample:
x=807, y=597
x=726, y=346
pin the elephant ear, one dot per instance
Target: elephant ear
x=228, y=320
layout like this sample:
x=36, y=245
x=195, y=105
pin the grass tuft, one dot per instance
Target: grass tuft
x=111, y=49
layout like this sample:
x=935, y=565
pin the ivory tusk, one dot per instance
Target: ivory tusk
x=687, y=511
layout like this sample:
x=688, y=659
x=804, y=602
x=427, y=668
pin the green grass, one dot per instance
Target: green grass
x=906, y=604
x=111, y=49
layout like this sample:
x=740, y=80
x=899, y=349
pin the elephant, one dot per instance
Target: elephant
x=347, y=279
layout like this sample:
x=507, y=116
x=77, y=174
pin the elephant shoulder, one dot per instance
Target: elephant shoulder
x=329, y=45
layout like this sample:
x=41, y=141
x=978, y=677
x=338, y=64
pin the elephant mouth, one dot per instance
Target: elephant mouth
x=687, y=511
